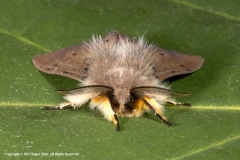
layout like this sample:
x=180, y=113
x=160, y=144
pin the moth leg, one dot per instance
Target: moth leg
x=65, y=105
x=179, y=103
x=104, y=105
x=116, y=122
x=114, y=119
x=158, y=114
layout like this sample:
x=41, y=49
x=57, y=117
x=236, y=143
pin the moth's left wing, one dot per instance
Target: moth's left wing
x=71, y=62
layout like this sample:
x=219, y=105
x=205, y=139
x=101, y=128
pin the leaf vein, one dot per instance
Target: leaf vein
x=15, y=104
x=214, y=145
x=24, y=40
x=190, y=5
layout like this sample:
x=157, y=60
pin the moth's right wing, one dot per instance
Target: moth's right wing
x=71, y=62
x=171, y=63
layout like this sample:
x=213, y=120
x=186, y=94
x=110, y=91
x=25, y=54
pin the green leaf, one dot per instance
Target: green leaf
x=208, y=130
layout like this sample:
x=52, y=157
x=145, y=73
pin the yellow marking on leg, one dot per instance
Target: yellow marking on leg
x=114, y=120
x=151, y=103
x=102, y=103
x=99, y=99
x=109, y=113
x=139, y=108
x=155, y=105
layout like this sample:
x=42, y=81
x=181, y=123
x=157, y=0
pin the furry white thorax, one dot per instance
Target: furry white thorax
x=122, y=66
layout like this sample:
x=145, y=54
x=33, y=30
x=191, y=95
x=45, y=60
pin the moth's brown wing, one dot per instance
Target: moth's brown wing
x=166, y=63
x=170, y=63
x=71, y=62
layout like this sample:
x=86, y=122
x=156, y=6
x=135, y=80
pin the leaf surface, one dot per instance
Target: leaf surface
x=208, y=130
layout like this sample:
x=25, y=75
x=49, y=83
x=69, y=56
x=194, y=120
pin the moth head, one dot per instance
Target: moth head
x=120, y=97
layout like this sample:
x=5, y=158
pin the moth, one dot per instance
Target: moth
x=119, y=76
